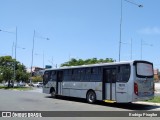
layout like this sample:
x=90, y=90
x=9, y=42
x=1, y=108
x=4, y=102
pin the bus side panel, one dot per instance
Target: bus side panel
x=98, y=95
x=124, y=91
x=130, y=90
x=66, y=88
x=121, y=92
x=46, y=90
x=131, y=84
x=97, y=87
x=48, y=86
x=79, y=89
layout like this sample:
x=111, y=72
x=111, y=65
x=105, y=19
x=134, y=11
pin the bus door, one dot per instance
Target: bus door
x=109, y=83
x=59, y=82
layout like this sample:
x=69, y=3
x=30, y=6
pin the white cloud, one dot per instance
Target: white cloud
x=150, y=31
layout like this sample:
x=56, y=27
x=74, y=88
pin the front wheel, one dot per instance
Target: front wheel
x=91, y=97
x=53, y=94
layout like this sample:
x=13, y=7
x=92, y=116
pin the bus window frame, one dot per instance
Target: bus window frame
x=51, y=75
x=111, y=68
x=141, y=76
x=45, y=81
x=118, y=73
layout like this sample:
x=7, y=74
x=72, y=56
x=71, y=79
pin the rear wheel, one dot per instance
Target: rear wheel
x=91, y=97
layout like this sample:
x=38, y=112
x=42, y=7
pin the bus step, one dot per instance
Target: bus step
x=109, y=101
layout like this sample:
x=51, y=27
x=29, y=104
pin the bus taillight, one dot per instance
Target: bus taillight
x=136, y=88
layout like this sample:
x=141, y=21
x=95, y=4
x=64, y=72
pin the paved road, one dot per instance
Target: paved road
x=35, y=100
x=25, y=100
x=12, y=100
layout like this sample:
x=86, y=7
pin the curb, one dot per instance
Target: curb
x=147, y=103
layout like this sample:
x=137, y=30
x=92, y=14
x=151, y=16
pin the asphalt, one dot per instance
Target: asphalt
x=157, y=93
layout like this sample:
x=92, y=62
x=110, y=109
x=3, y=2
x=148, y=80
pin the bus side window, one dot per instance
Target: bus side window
x=67, y=75
x=82, y=74
x=108, y=76
x=95, y=75
x=119, y=74
x=114, y=75
x=53, y=76
x=88, y=74
x=111, y=75
x=123, y=73
x=60, y=76
x=94, y=70
x=74, y=74
x=78, y=76
x=46, y=77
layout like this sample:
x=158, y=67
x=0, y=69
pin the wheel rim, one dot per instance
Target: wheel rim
x=53, y=93
x=91, y=97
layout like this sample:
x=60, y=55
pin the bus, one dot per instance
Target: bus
x=120, y=82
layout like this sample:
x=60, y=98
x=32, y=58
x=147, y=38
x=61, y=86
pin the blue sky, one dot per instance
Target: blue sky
x=79, y=28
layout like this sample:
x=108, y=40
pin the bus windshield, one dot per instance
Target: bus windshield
x=144, y=69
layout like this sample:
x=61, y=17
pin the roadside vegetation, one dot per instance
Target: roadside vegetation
x=76, y=62
x=156, y=99
x=7, y=67
x=37, y=78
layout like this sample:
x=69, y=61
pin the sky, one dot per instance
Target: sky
x=79, y=29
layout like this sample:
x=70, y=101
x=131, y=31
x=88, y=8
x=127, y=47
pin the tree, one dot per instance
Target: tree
x=7, y=70
x=75, y=62
x=37, y=79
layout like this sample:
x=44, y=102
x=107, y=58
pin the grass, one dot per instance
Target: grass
x=156, y=99
x=16, y=88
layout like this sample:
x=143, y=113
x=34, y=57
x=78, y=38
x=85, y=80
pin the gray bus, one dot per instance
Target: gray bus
x=120, y=82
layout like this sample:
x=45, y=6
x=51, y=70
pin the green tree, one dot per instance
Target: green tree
x=75, y=62
x=7, y=70
x=37, y=79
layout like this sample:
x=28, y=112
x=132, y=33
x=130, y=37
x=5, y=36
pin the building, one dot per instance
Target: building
x=36, y=71
x=156, y=75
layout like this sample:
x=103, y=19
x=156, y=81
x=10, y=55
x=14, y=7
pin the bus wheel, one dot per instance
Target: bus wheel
x=91, y=97
x=53, y=93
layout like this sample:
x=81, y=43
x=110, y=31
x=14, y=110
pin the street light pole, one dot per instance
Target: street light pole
x=120, y=39
x=32, y=52
x=12, y=49
x=14, y=77
x=120, y=33
x=53, y=65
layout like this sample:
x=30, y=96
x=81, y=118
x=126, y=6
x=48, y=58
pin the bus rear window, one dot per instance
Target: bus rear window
x=144, y=70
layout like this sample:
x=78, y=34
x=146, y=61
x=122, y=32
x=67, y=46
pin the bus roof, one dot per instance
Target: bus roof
x=96, y=65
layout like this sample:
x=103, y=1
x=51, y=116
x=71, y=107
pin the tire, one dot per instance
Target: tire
x=53, y=93
x=91, y=97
